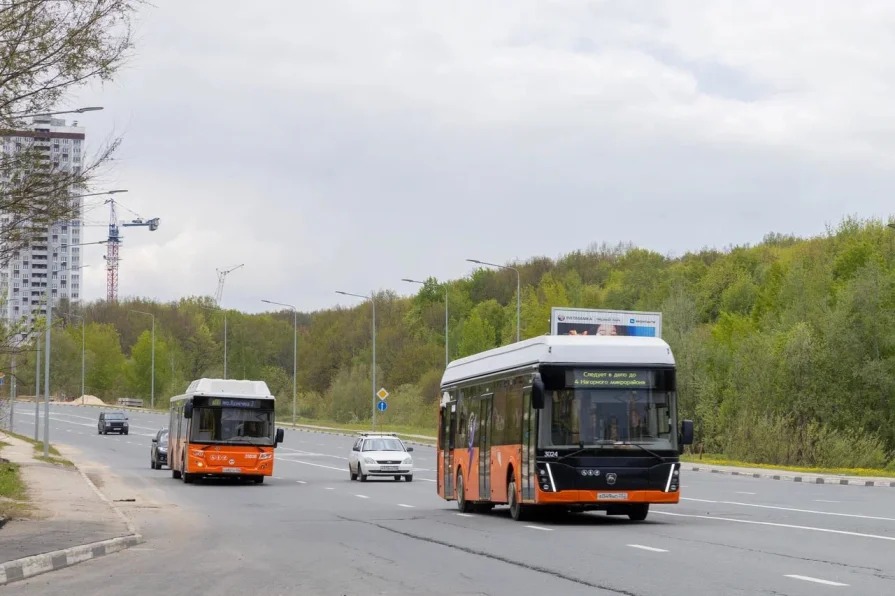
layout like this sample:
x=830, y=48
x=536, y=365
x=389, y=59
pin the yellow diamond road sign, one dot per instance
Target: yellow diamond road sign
x=382, y=393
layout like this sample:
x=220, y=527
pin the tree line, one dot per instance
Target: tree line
x=785, y=349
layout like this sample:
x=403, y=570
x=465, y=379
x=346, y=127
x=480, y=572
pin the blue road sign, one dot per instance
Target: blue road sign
x=381, y=406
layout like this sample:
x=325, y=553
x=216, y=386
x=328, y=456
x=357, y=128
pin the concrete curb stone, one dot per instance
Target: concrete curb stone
x=804, y=478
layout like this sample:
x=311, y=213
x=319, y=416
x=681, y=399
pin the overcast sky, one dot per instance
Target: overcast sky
x=340, y=145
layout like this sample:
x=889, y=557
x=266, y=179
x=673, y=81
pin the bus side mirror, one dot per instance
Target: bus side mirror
x=537, y=392
x=686, y=432
x=279, y=437
x=188, y=410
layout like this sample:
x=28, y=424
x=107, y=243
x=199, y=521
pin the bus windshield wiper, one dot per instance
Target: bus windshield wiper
x=651, y=452
x=582, y=448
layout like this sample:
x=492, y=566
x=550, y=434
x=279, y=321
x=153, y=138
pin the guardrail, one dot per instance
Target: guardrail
x=131, y=402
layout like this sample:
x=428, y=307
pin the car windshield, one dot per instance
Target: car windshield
x=115, y=416
x=163, y=439
x=383, y=445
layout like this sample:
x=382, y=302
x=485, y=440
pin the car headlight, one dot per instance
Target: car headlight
x=408, y=460
x=369, y=460
x=163, y=450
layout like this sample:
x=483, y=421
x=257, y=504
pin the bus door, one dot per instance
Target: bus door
x=529, y=443
x=449, y=431
x=484, y=444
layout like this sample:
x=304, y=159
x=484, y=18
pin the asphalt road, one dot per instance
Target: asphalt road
x=310, y=530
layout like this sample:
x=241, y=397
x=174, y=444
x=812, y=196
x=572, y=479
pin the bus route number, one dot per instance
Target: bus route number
x=551, y=454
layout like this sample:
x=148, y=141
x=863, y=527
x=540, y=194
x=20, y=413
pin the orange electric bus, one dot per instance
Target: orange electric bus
x=567, y=422
x=223, y=427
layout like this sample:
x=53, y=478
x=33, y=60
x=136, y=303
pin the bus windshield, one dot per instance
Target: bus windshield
x=605, y=417
x=232, y=425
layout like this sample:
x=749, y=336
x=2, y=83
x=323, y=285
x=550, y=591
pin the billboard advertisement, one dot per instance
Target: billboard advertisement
x=585, y=321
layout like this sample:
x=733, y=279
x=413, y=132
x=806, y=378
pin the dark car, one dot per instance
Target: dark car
x=112, y=422
x=158, y=453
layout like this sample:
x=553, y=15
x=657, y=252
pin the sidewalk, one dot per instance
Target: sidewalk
x=70, y=520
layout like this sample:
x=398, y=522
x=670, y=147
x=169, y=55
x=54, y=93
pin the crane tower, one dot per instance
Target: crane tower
x=222, y=277
x=113, y=243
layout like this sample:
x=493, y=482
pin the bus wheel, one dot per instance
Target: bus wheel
x=259, y=479
x=516, y=510
x=187, y=478
x=638, y=512
x=462, y=504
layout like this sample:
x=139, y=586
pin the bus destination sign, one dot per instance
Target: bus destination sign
x=609, y=379
x=234, y=403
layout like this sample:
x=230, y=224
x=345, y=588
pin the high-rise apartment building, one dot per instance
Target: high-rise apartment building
x=49, y=268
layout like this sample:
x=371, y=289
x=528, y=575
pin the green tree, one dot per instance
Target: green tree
x=107, y=361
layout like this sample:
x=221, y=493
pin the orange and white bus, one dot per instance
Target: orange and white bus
x=223, y=427
x=572, y=423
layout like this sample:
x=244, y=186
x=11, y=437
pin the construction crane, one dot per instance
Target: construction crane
x=112, y=244
x=222, y=277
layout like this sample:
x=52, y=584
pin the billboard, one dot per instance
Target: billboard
x=586, y=321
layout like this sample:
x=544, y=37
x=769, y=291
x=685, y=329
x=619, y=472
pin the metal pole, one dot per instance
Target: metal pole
x=152, y=374
x=37, y=390
x=447, y=358
x=12, y=392
x=373, y=302
x=47, y=377
x=294, y=364
x=83, y=353
x=225, y=344
x=518, y=306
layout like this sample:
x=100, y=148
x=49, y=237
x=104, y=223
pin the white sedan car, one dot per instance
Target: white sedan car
x=380, y=454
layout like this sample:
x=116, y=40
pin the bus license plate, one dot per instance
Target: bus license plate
x=232, y=470
x=612, y=496
x=389, y=468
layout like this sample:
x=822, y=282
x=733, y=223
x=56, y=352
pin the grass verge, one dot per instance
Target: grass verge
x=720, y=460
x=13, y=498
x=54, y=456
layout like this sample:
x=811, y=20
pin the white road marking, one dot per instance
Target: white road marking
x=649, y=548
x=697, y=500
x=791, y=526
x=816, y=580
x=814, y=511
x=328, y=488
x=408, y=506
x=301, y=482
x=465, y=515
x=362, y=496
x=540, y=528
x=742, y=492
x=307, y=463
x=825, y=501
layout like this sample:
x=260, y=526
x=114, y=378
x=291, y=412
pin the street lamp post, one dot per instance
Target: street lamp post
x=373, y=304
x=152, y=373
x=294, y=354
x=447, y=358
x=75, y=111
x=518, y=293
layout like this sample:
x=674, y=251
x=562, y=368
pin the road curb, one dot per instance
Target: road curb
x=37, y=564
x=804, y=478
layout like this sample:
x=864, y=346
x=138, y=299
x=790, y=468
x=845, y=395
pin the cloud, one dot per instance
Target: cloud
x=345, y=145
